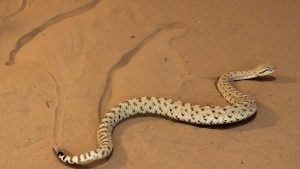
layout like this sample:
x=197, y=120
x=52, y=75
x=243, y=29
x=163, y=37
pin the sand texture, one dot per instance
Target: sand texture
x=63, y=64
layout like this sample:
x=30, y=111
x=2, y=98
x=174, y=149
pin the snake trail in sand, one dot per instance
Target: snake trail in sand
x=241, y=107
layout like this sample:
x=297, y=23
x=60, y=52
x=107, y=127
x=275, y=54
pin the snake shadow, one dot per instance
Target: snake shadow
x=264, y=116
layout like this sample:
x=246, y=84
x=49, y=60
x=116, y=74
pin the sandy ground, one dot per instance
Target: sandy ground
x=65, y=63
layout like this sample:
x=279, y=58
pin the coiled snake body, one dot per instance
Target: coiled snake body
x=241, y=107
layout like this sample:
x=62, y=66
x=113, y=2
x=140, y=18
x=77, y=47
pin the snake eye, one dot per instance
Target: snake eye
x=264, y=71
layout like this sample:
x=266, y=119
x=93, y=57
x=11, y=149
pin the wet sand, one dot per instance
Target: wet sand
x=65, y=63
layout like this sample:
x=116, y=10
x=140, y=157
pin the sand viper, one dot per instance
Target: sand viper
x=241, y=107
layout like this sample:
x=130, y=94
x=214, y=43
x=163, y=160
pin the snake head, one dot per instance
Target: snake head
x=263, y=70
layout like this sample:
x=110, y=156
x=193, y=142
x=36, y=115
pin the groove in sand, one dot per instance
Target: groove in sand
x=33, y=33
x=124, y=60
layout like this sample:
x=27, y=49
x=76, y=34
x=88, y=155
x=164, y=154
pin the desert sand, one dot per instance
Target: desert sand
x=65, y=63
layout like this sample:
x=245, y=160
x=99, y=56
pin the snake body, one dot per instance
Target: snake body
x=241, y=107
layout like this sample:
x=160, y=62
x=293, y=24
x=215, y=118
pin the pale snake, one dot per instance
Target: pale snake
x=241, y=107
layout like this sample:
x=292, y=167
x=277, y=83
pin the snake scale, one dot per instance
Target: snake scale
x=241, y=107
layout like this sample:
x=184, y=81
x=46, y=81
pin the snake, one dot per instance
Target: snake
x=240, y=107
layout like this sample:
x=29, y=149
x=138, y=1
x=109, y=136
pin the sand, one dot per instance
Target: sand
x=65, y=63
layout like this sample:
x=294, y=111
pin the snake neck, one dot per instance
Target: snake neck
x=230, y=93
x=240, y=75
